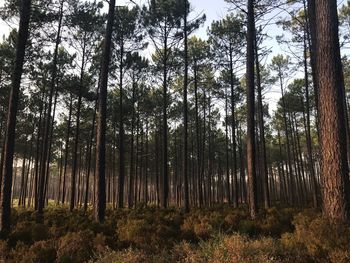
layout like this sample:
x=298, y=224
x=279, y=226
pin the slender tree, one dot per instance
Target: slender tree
x=185, y=151
x=100, y=195
x=23, y=33
x=250, y=111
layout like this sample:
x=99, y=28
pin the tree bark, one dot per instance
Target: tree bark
x=185, y=151
x=334, y=165
x=23, y=33
x=100, y=195
x=253, y=204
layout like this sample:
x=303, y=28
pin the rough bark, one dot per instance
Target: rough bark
x=253, y=204
x=334, y=165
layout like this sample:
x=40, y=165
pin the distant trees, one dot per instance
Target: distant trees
x=162, y=20
x=102, y=120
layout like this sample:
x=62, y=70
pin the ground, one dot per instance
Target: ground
x=148, y=234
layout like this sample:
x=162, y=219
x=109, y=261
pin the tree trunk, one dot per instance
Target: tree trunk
x=100, y=195
x=262, y=158
x=23, y=32
x=253, y=204
x=121, y=133
x=334, y=165
x=88, y=168
x=185, y=151
x=76, y=154
x=66, y=154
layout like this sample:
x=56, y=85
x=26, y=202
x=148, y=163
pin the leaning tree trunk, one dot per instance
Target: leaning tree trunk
x=23, y=32
x=334, y=165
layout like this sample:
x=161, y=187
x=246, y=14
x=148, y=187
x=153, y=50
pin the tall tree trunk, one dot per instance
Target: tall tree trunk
x=253, y=203
x=132, y=147
x=200, y=200
x=289, y=158
x=165, y=189
x=334, y=165
x=88, y=168
x=311, y=28
x=121, y=133
x=308, y=126
x=76, y=154
x=100, y=195
x=23, y=32
x=185, y=150
x=66, y=148
x=46, y=138
x=23, y=173
x=262, y=158
x=233, y=127
x=227, y=170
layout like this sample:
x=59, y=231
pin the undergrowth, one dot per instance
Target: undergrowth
x=219, y=234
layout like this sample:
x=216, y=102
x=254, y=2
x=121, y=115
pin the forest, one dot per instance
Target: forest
x=127, y=136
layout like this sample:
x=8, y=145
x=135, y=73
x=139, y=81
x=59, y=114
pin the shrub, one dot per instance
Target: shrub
x=18, y=252
x=75, y=247
x=4, y=250
x=202, y=224
x=134, y=231
x=21, y=232
x=41, y=252
x=39, y=232
x=276, y=222
x=249, y=227
x=148, y=231
x=125, y=256
x=319, y=237
x=236, y=248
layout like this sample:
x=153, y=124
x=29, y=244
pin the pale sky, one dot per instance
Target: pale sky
x=214, y=10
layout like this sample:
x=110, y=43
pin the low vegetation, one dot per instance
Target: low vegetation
x=218, y=234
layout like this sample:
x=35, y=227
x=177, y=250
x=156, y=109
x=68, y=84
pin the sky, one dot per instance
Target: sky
x=214, y=10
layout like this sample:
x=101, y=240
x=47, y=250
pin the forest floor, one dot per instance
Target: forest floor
x=147, y=235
